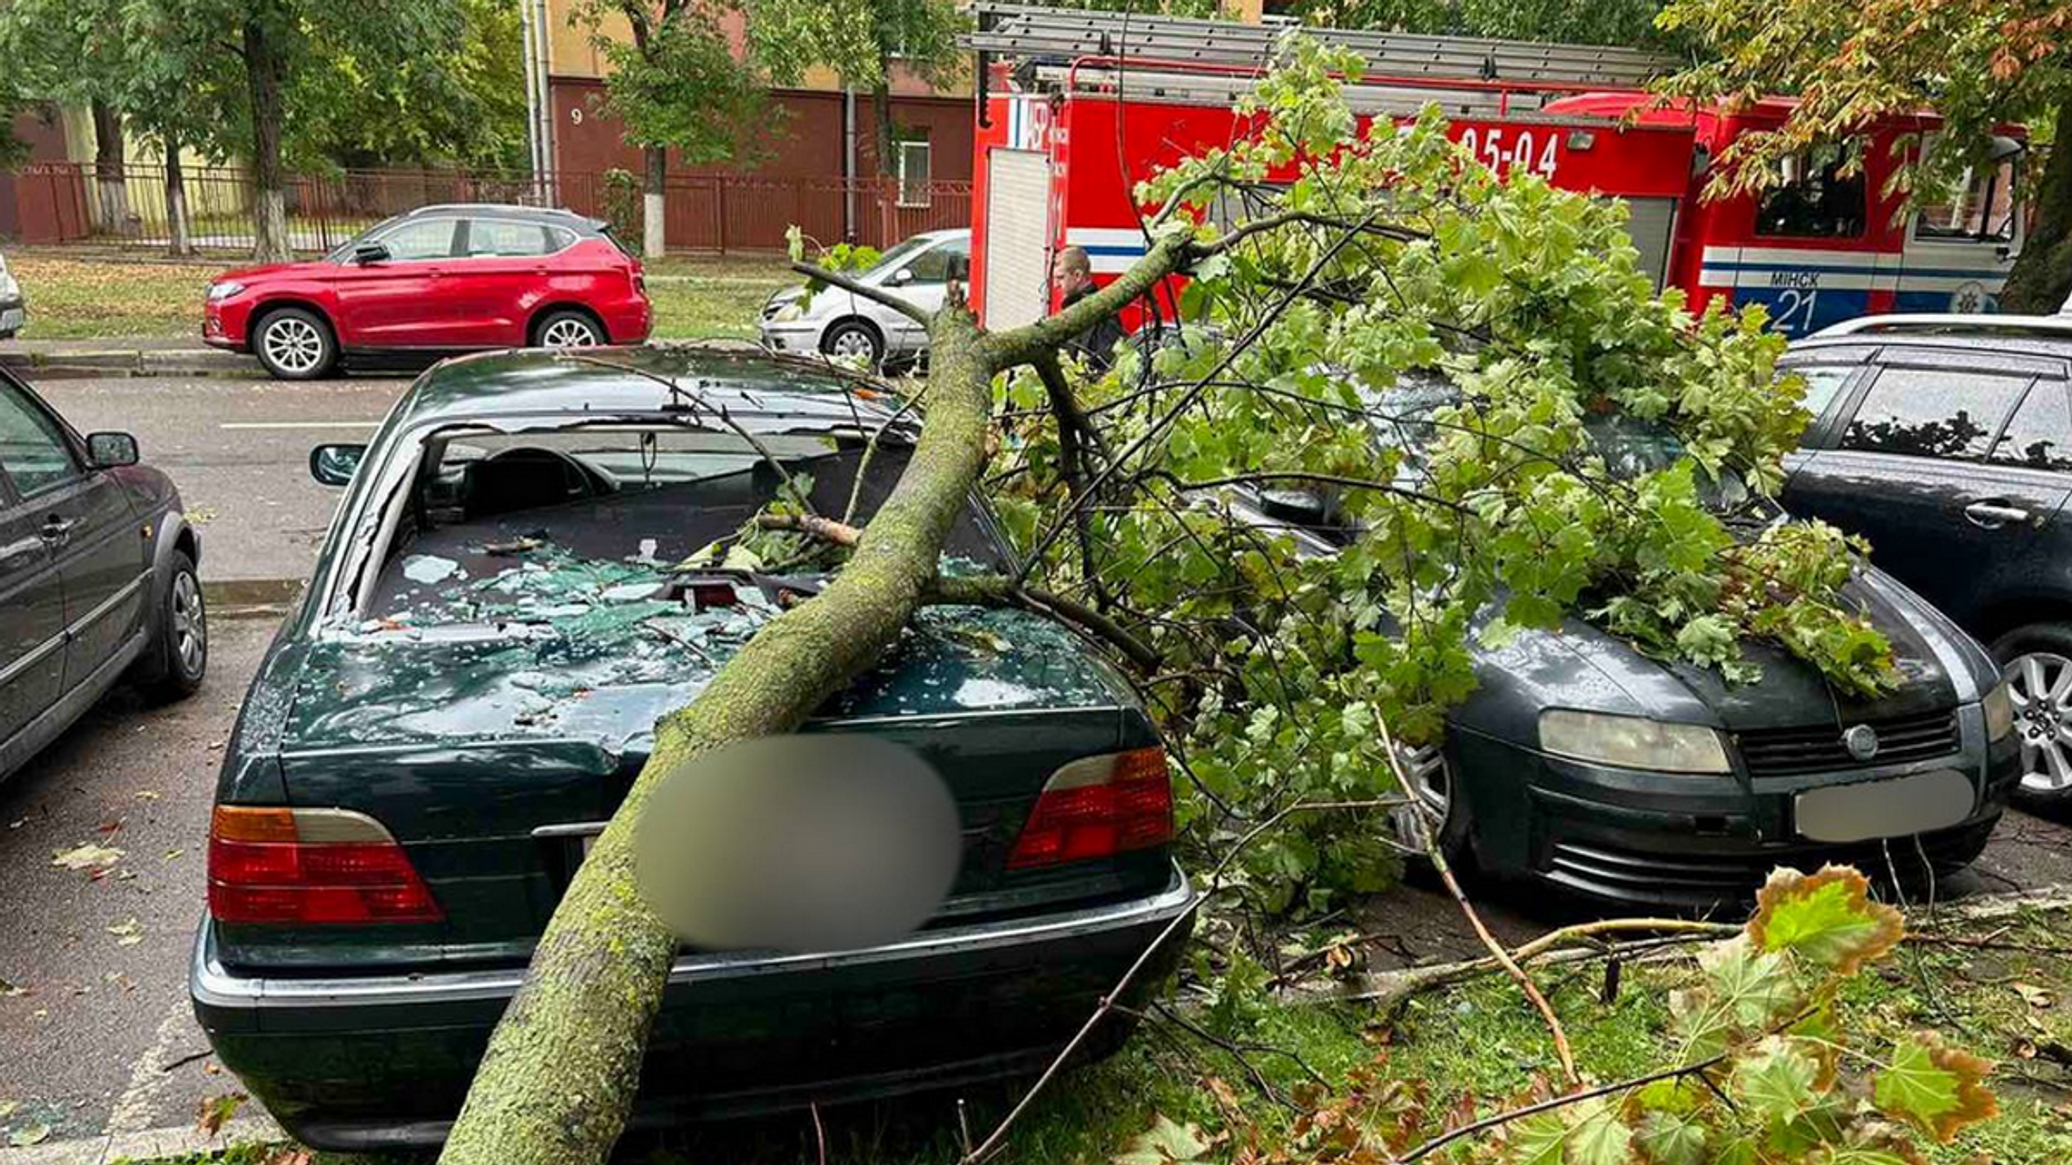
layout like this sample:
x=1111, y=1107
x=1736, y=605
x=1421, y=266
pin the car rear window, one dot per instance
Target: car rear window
x=1932, y=412
x=2040, y=434
x=615, y=513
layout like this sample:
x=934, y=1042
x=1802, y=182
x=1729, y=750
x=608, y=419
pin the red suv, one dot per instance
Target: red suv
x=438, y=279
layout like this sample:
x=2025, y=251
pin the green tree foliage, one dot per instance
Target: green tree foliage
x=1607, y=22
x=676, y=84
x=1441, y=355
x=1979, y=63
x=863, y=41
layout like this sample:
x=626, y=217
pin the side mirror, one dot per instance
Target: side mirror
x=111, y=450
x=335, y=464
x=902, y=277
x=367, y=253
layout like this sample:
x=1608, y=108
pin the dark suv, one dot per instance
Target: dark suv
x=1951, y=451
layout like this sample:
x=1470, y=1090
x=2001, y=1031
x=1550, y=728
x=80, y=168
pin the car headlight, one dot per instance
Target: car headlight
x=1999, y=709
x=1632, y=742
x=787, y=313
x=218, y=292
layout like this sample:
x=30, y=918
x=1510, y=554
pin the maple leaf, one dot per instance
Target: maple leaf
x=1826, y=919
x=86, y=855
x=1937, y=1087
x=1166, y=1142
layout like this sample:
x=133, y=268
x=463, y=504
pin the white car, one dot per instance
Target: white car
x=842, y=323
x=13, y=313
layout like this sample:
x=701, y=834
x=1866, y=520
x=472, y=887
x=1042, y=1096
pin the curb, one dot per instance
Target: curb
x=176, y=1141
x=104, y=362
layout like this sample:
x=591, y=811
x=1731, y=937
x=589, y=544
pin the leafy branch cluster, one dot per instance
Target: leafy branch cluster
x=1765, y=1072
x=1502, y=423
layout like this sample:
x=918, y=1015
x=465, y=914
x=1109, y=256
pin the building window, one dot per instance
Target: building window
x=913, y=173
x=1813, y=198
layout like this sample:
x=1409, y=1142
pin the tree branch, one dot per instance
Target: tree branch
x=865, y=290
x=1000, y=591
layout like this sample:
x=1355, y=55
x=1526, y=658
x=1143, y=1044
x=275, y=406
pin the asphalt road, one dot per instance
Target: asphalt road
x=239, y=451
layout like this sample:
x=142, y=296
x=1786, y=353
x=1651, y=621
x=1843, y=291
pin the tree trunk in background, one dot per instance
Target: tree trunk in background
x=888, y=159
x=2042, y=275
x=654, y=233
x=176, y=199
x=110, y=180
x=269, y=196
x=564, y=1063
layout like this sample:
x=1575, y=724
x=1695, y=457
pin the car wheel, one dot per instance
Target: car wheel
x=854, y=338
x=178, y=657
x=567, y=329
x=2037, y=663
x=295, y=344
x=1432, y=784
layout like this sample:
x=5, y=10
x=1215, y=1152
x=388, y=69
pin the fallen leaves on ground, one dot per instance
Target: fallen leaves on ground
x=215, y=1111
x=128, y=932
x=86, y=855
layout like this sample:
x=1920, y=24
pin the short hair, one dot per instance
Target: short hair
x=1075, y=259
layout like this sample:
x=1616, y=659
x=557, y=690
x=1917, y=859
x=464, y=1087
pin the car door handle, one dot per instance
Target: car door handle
x=56, y=530
x=1993, y=515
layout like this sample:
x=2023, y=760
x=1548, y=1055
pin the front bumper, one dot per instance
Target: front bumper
x=223, y=324
x=791, y=337
x=14, y=314
x=1699, y=842
x=374, y=1061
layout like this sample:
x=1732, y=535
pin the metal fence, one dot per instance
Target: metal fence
x=65, y=202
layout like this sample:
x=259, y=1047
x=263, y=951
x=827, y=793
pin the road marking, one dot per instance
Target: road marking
x=298, y=424
x=132, y=1112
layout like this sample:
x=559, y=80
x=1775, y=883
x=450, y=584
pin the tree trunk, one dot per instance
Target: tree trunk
x=2042, y=274
x=654, y=202
x=111, y=179
x=888, y=162
x=564, y=1063
x=269, y=194
x=182, y=239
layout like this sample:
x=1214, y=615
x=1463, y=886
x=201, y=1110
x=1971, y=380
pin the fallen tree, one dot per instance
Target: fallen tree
x=1388, y=255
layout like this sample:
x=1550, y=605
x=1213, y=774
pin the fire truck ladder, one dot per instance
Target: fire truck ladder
x=1060, y=36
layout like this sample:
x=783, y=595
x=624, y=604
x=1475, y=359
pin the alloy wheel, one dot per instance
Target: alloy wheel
x=1432, y=787
x=294, y=344
x=568, y=332
x=855, y=342
x=190, y=623
x=2040, y=683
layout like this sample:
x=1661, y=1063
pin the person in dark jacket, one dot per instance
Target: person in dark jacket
x=1074, y=275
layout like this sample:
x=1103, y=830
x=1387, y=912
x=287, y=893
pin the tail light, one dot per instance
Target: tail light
x=309, y=866
x=1099, y=806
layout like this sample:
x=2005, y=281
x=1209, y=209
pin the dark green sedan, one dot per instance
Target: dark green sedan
x=536, y=557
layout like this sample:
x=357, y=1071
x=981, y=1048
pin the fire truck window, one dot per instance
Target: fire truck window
x=2040, y=435
x=1929, y=412
x=1813, y=198
x=1982, y=213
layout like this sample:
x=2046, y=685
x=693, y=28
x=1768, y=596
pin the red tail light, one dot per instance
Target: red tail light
x=1098, y=807
x=309, y=866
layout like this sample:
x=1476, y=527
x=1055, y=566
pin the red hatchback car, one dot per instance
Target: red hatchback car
x=438, y=279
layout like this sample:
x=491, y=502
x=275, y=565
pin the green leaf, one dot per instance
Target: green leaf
x=1599, y=1137
x=1166, y=1142
x=1827, y=919
x=1539, y=1139
x=1776, y=1080
x=1939, y=1088
x=1670, y=1139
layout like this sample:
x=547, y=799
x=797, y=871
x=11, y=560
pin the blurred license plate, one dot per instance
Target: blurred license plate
x=1899, y=807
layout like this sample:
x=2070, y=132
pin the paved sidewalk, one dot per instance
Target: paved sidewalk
x=123, y=356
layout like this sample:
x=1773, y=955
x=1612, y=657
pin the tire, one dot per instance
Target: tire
x=1429, y=767
x=855, y=337
x=565, y=328
x=175, y=663
x=2032, y=657
x=295, y=344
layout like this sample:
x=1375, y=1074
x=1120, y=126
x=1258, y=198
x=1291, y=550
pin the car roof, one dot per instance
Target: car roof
x=1860, y=347
x=541, y=214
x=743, y=381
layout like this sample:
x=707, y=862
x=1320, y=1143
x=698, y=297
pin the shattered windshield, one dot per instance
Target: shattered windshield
x=603, y=528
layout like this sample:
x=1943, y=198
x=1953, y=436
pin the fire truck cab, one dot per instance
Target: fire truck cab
x=1075, y=108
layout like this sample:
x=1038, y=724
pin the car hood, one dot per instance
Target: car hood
x=1581, y=666
x=268, y=270
x=602, y=676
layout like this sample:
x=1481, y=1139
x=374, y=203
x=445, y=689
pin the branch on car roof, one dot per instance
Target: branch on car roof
x=865, y=290
x=1001, y=591
x=825, y=529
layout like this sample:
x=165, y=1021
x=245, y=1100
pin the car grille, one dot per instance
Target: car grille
x=1772, y=752
x=1707, y=879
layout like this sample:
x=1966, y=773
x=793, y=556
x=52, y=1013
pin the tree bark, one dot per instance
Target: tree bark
x=888, y=158
x=654, y=202
x=111, y=180
x=2042, y=275
x=182, y=239
x=269, y=196
x=563, y=1065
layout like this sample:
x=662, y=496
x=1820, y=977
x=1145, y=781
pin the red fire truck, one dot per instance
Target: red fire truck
x=1075, y=108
